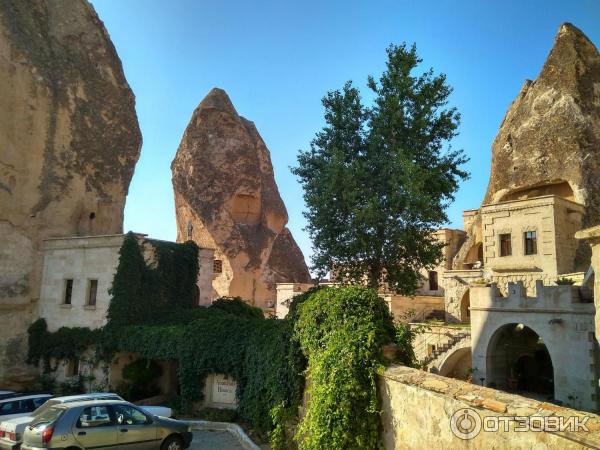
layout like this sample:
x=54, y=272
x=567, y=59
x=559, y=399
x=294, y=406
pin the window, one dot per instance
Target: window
x=94, y=416
x=68, y=292
x=217, y=266
x=530, y=243
x=131, y=416
x=505, y=245
x=92, y=291
x=433, y=280
x=16, y=407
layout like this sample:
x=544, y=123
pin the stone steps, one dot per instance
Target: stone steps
x=445, y=348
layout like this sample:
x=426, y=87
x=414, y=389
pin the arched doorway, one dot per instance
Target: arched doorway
x=457, y=364
x=465, y=304
x=518, y=360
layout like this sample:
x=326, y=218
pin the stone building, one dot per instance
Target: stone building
x=77, y=275
x=518, y=240
x=428, y=301
x=540, y=345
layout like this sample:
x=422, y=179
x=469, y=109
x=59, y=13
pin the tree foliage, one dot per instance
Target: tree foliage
x=377, y=179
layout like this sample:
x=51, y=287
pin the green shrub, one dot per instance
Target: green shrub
x=342, y=332
x=141, y=377
x=237, y=307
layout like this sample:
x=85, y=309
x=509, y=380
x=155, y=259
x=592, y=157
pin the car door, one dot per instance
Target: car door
x=137, y=430
x=96, y=428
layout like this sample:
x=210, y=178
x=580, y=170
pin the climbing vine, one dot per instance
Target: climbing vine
x=64, y=344
x=146, y=294
x=342, y=332
x=334, y=336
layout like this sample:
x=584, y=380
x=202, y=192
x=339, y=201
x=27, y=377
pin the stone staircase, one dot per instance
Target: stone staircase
x=443, y=349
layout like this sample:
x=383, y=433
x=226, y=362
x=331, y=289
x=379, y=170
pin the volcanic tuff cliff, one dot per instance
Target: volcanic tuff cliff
x=549, y=140
x=69, y=141
x=226, y=198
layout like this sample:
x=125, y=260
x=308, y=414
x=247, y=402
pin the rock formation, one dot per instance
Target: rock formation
x=69, y=141
x=549, y=140
x=226, y=198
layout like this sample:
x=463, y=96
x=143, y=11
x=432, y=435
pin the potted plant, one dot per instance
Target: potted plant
x=564, y=281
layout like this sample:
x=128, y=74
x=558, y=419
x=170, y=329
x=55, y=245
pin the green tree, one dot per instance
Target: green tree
x=377, y=179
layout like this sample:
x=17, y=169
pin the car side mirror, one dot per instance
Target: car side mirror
x=120, y=419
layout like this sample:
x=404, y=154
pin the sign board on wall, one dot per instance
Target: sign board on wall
x=219, y=391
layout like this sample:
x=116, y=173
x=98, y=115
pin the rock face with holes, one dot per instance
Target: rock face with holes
x=69, y=141
x=226, y=198
x=549, y=141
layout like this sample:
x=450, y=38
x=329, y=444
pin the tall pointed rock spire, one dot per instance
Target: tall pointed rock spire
x=226, y=198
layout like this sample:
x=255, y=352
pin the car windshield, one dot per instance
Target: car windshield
x=42, y=409
x=48, y=416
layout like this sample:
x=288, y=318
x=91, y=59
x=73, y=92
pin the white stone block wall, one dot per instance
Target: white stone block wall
x=80, y=259
x=565, y=325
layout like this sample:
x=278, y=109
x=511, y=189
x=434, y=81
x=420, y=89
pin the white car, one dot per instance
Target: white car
x=17, y=405
x=11, y=431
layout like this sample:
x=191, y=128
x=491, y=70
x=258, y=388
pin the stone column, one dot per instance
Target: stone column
x=205, y=276
x=592, y=235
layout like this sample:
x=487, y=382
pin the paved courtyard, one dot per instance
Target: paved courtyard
x=214, y=440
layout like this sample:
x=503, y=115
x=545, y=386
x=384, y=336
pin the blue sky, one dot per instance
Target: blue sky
x=276, y=60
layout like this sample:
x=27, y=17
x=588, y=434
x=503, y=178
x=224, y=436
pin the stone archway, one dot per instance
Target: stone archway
x=457, y=364
x=465, y=305
x=517, y=359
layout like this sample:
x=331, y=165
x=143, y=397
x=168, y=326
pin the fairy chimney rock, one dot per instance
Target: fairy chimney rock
x=549, y=140
x=226, y=198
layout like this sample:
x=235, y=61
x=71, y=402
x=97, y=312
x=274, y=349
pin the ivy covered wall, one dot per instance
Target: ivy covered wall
x=335, y=334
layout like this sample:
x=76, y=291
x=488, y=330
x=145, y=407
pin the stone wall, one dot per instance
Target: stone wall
x=555, y=222
x=80, y=260
x=417, y=308
x=457, y=284
x=206, y=258
x=560, y=319
x=285, y=293
x=418, y=406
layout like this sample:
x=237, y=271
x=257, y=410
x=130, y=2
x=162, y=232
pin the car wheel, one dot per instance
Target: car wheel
x=172, y=443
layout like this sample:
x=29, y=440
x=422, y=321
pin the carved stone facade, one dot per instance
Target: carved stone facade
x=520, y=240
x=77, y=275
x=542, y=343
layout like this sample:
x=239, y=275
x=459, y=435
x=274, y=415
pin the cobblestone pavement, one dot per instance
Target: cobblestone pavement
x=214, y=440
